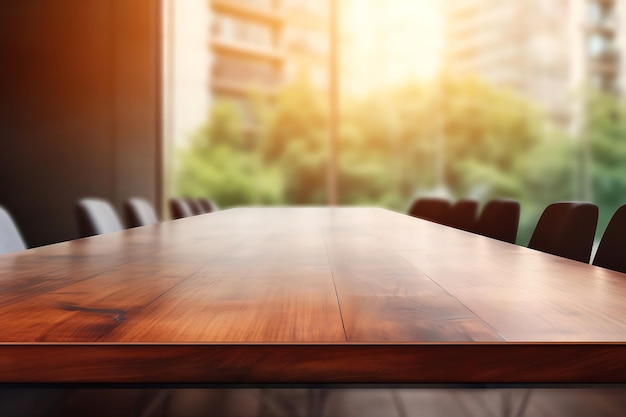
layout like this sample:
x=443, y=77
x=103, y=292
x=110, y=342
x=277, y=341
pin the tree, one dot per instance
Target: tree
x=217, y=163
x=390, y=146
x=606, y=132
x=293, y=140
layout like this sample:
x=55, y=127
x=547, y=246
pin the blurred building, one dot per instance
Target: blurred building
x=257, y=45
x=603, y=25
x=245, y=47
x=216, y=50
x=305, y=40
x=547, y=50
x=521, y=45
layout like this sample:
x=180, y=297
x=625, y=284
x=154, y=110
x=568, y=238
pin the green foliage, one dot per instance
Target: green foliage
x=606, y=132
x=294, y=140
x=465, y=134
x=217, y=163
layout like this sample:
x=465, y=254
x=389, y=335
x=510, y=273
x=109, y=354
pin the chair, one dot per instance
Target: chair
x=179, y=208
x=139, y=212
x=431, y=208
x=208, y=205
x=611, y=252
x=10, y=238
x=499, y=220
x=463, y=215
x=96, y=216
x=566, y=229
x=194, y=206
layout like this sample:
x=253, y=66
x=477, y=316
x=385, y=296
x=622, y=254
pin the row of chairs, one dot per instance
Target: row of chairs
x=96, y=216
x=565, y=229
x=499, y=219
x=187, y=207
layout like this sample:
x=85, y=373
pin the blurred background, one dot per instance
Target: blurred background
x=309, y=102
x=462, y=98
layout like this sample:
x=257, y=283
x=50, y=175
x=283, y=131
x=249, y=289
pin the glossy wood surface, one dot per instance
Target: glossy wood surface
x=312, y=295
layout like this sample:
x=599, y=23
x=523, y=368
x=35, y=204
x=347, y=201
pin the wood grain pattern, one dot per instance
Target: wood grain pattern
x=306, y=295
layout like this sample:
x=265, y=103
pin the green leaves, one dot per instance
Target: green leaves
x=219, y=164
x=605, y=133
x=402, y=141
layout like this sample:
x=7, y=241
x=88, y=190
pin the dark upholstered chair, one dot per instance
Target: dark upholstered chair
x=139, y=212
x=194, y=206
x=179, y=208
x=207, y=205
x=566, y=229
x=463, y=215
x=10, y=237
x=611, y=252
x=96, y=217
x=431, y=208
x=499, y=220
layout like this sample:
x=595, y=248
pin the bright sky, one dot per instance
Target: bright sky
x=386, y=42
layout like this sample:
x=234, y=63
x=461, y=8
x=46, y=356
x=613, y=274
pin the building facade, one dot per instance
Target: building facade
x=547, y=50
x=305, y=40
x=520, y=45
x=224, y=50
x=604, y=43
x=258, y=45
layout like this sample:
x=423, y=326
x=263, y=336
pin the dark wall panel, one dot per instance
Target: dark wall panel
x=78, y=108
x=137, y=87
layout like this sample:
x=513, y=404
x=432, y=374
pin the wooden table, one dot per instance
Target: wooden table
x=306, y=295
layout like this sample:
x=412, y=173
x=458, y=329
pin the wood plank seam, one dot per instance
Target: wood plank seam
x=461, y=302
x=332, y=275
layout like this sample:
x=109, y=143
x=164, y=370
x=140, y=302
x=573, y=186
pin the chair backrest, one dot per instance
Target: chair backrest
x=566, y=229
x=96, y=216
x=179, y=208
x=431, y=208
x=208, y=205
x=194, y=206
x=463, y=215
x=10, y=237
x=499, y=220
x=139, y=212
x=611, y=252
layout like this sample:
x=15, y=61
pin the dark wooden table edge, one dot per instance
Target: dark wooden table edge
x=325, y=363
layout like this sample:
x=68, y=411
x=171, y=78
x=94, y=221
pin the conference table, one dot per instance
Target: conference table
x=306, y=295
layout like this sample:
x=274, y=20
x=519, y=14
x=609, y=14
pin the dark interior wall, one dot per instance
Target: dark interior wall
x=79, y=108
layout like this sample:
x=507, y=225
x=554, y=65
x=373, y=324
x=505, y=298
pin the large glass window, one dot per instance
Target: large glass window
x=463, y=98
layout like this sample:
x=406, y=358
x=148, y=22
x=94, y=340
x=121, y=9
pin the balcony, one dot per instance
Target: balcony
x=604, y=3
x=234, y=76
x=255, y=11
x=247, y=51
x=233, y=87
x=605, y=26
x=605, y=62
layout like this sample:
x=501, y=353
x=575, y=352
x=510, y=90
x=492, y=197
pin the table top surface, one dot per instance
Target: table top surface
x=301, y=277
